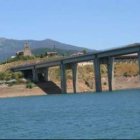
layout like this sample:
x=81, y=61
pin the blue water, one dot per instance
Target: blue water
x=98, y=115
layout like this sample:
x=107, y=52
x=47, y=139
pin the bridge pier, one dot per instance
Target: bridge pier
x=46, y=76
x=74, y=77
x=63, y=78
x=34, y=75
x=139, y=63
x=97, y=74
x=110, y=70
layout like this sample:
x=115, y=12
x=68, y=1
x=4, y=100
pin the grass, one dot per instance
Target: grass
x=30, y=85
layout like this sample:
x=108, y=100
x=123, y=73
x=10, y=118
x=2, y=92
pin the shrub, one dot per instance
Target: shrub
x=125, y=74
x=10, y=84
x=1, y=76
x=30, y=85
x=8, y=75
x=104, y=83
x=17, y=75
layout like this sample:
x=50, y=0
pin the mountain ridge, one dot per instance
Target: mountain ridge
x=8, y=47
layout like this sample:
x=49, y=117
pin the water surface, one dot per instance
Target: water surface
x=98, y=115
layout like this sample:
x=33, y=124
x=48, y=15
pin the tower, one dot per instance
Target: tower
x=27, y=50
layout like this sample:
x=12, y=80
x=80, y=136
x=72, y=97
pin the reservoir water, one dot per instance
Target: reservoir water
x=99, y=115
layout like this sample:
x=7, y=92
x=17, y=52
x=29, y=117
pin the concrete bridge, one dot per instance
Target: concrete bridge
x=103, y=57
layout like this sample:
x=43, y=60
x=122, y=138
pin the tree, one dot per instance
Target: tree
x=84, y=51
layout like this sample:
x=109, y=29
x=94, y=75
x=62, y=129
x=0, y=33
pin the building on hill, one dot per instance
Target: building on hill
x=77, y=53
x=52, y=54
x=26, y=51
x=19, y=53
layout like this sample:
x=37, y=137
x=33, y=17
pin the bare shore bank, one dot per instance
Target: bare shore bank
x=21, y=90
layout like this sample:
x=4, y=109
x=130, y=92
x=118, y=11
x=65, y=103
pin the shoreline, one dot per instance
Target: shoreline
x=20, y=90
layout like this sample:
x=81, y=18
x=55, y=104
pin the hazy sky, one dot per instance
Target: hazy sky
x=96, y=24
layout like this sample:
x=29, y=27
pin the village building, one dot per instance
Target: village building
x=26, y=51
x=52, y=54
x=77, y=53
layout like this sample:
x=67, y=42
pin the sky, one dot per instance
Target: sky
x=94, y=24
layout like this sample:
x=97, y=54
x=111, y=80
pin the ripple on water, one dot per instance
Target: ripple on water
x=100, y=115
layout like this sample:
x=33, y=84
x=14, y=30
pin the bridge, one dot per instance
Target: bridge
x=103, y=57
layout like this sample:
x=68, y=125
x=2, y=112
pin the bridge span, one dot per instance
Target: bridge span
x=103, y=57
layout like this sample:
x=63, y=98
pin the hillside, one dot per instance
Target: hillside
x=9, y=47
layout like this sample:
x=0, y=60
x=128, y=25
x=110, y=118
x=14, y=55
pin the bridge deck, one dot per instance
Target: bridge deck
x=121, y=52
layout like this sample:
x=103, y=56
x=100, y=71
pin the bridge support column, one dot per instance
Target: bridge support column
x=97, y=75
x=110, y=70
x=35, y=75
x=46, y=74
x=63, y=78
x=74, y=76
x=139, y=63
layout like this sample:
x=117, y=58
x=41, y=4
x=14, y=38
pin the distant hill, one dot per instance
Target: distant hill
x=8, y=47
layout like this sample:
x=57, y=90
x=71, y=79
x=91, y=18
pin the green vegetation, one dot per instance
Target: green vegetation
x=42, y=52
x=8, y=75
x=40, y=57
x=84, y=51
x=17, y=58
x=30, y=85
x=11, y=78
